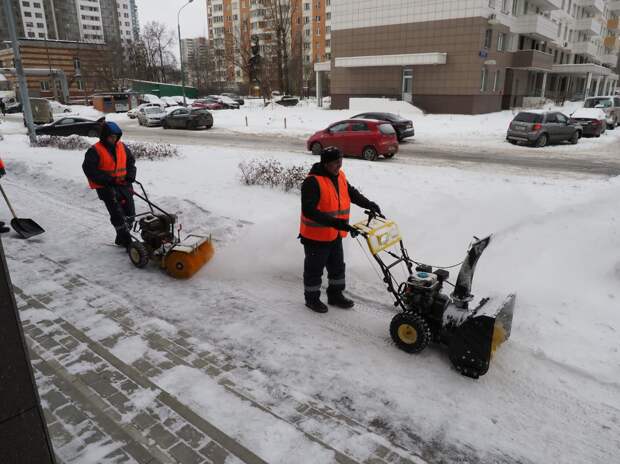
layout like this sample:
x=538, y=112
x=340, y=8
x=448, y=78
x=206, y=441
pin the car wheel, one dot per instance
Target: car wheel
x=93, y=133
x=614, y=124
x=316, y=149
x=575, y=138
x=514, y=142
x=542, y=141
x=165, y=125
x=389, y=155
x=369, y=153
x=209, y=126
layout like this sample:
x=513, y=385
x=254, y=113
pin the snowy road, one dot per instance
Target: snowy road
x=552, y=394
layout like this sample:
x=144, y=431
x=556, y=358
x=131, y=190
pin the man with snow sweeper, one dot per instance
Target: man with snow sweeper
x=3, y=228
x=111, y=169
x=326, y=198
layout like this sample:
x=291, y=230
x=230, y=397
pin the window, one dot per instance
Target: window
x=552, y=118
x=561, y=118
x=341, y=127
x=483, y=79
x=496, y=80
x=45, y=85
x=80, y=84
x=501, y=42
x=488, y=38
x=359, y=127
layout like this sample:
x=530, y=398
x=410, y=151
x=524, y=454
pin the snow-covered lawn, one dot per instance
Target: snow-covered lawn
x=553, y=391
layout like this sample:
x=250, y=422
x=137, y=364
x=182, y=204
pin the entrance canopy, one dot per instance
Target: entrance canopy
x=411, y=59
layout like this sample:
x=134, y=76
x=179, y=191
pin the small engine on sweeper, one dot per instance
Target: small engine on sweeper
x=155, y=236
x=472, y=328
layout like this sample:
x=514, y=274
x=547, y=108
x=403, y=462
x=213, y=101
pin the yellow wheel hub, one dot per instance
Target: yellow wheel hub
x=499, y=337
x=407, y=334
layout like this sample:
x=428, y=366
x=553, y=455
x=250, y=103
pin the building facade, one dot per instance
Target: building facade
x=232, y=23
x=195, y=55
x=92, y=21
x=472, y=56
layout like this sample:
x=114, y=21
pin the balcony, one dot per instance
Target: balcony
x=613, y=25
x=585, y=48
x=610, y=59
x=612, y=42
x=536, y=26
x=593, y=6
x=547, y=5
x=532, y=59
x=614, y=6
x=589, y=26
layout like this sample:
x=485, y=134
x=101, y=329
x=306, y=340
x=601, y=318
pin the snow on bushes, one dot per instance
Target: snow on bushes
x=272, y=173
x=140, y=150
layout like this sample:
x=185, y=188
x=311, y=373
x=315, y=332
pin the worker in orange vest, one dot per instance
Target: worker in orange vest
x=3, y=228
x=326, y=199
x=111, y=168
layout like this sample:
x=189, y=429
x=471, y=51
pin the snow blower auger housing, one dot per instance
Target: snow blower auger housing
x=156, y=237
x=472, y=328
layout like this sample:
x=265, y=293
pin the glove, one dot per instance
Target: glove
x=375, y=208
x=353, y=231
x=2, y=172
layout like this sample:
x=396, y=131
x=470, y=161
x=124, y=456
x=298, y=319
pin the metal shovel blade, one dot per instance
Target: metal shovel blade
x=26, y=228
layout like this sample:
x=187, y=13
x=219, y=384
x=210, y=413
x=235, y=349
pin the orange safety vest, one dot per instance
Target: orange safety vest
x=1, y=164
x=336, y=204
x=117, y=169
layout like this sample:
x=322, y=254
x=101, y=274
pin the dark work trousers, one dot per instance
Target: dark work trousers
x=318, y=257
x=119, y=202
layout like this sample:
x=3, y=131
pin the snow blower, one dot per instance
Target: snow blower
x=472, y=328
x=154, y=238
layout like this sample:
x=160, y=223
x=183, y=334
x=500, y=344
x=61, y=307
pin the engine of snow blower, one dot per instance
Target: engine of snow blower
x=157, y=229
x=472, y=328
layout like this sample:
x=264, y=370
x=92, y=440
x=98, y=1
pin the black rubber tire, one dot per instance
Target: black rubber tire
x=369, y=153
x=514, y=142
x=389, y=155
x=575, y=138
x=316, y=149
x=93, y=133
x=542, y=141
x=410, y=324
x=209, y=126
x=613, y=125
x=138, y=254
x=165, y=125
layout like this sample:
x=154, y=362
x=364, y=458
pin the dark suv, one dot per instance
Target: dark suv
x=187, y=118
x=538, y=128
x=402, y=126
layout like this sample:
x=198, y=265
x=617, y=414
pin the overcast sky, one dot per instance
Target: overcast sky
x=193, y=16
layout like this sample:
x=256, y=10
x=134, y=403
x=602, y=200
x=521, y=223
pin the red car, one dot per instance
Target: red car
x=367, y=138
x=207, y=105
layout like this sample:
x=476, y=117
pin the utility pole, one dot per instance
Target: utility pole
x=21, y=78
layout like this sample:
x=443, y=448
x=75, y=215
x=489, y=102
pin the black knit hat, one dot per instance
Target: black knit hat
x=330, y=154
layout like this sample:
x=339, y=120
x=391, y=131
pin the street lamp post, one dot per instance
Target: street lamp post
x=181, y=51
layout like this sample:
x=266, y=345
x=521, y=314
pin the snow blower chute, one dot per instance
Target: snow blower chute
x=156, y=237
x=472, y=328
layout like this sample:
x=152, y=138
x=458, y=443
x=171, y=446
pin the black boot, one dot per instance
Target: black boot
x=3, y=229
x=340, y=301
x=316, y=305
x=123, y=239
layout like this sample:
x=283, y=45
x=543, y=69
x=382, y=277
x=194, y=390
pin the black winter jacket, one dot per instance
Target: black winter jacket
x=311, y=194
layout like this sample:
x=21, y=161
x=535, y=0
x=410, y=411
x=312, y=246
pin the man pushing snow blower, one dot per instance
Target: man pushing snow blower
x=111, y=169
x=326, y=198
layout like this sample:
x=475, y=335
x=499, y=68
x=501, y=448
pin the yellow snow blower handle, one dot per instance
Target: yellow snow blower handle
x=380, y=234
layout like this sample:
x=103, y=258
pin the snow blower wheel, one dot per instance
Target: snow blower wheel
x=410, y=332
x=138, y=254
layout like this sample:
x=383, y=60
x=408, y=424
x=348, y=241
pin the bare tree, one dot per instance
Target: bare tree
x=279, y=16
x=158, y=42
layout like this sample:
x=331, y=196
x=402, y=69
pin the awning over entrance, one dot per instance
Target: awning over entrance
x=586, y=68
x=412, y=59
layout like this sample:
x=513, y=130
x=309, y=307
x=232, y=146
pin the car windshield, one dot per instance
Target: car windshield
x=600, y=102
x=529, y=117
x=152, y=109
x=387, y=129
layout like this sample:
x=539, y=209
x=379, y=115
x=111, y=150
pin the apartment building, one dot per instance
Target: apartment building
x=92, y=21
x=232, y=23
x=472, y=56
x=195, y=58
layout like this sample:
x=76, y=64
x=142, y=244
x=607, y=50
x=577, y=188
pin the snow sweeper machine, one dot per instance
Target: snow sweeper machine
x=157, y=237
x=472, y=328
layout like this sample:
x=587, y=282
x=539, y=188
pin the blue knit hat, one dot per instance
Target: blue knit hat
x=110, y=128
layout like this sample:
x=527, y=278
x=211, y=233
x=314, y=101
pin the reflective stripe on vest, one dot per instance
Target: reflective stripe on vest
x=116, y=169
x=334, y=203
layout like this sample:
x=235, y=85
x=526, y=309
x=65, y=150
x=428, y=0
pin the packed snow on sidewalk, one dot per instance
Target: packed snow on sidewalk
x=552, y=393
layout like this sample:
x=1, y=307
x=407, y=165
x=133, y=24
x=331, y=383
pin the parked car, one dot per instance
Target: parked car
x=42, y=112
x=234, y=97
x=70, y=126
x=287, y=100
x=133, y=113
x=151, y=116
x=402, y=126
x=538, y=128
x=12, y=105
x=610, y=105
x=188, y=118
x=592, y=121
x=170, y=101
x=357, y=137
x=58, y=107
x=207, y=103
x=227, y=102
